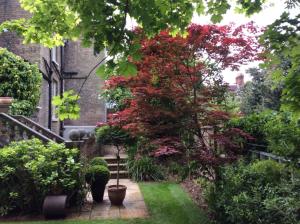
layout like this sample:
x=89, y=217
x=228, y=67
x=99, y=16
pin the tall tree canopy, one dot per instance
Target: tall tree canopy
x=178, y=89
x=259, y=93
x=103, y=23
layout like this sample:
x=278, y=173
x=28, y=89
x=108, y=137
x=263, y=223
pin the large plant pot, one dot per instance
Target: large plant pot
x=116, y=195
x=97, y=190
x=54, y=206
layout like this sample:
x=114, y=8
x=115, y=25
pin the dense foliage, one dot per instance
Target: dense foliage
x=259, y=94
x=97, y=173
x=178, y=90
x=262, y=192
x=254, y=124
x=98, y=161
x=275, y=132
x=21, y=80
x=29, y=171
x=283, y=60
x=103, y=23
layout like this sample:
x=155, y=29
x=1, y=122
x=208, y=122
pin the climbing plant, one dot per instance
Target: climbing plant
x=21, y=81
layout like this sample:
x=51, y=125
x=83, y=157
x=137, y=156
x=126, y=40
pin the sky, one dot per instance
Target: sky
x=268, y=15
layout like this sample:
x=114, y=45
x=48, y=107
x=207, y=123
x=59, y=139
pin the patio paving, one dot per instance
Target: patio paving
x=133, y=206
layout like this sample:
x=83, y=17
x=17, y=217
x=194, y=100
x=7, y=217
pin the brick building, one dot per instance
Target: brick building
x=63, y=68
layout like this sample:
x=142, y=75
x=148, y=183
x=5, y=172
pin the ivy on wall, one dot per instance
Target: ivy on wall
x=21, y=81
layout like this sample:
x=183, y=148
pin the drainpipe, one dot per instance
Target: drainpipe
x=50, y=95
x=61, y=89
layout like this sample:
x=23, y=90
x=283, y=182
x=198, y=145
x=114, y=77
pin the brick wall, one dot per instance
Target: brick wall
x=81, y=60
x=34, y=53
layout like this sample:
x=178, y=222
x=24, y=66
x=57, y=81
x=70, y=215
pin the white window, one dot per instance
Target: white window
x=54, y=54
x=54, y=93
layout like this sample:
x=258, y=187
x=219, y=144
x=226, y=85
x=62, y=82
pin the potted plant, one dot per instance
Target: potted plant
x=113, y=135
x=98, y=161
x=97, y=177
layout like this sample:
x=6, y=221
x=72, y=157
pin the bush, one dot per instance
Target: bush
x=262, y=192
x=98, y=161
x=282, y=135
x=30, y=170
x=254, y=124
x=97, y=173
x=21, y=80
x=144, y=168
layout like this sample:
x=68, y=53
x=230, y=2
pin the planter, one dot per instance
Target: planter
x=116, y=194
x=5, y=103
x=54, y=206
x=97, y=190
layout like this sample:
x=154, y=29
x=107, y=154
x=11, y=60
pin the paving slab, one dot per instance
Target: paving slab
x=133, y=206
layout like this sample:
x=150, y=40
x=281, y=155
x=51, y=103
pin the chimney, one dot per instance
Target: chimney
x=239, y=80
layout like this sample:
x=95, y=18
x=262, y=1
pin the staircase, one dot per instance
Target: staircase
x=16, y=128
x=112, y=166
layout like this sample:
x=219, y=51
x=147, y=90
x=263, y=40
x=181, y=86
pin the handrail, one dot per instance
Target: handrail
x=38, y=127
x=17, y=123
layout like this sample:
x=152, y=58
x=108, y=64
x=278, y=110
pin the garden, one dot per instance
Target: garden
x=197, y=152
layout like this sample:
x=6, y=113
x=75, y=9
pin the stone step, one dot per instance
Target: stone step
x=113, y=159
x=114, y=166
x=122, y=174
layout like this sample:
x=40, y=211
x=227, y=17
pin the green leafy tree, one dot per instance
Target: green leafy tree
x=258, y=94
x=21, y=81
x=103, y=23
x=282, y=40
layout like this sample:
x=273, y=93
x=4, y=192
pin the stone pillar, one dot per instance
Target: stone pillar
x=5, y=103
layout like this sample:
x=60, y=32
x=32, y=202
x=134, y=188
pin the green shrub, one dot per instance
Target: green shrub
x=98, y=161
x=282, y=135
x=261, y=192
x=254, y=124
x=30, y=170
x=97, y=173
x=21, y=80
x=144, y=168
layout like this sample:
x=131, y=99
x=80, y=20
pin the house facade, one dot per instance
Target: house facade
x=63, y=68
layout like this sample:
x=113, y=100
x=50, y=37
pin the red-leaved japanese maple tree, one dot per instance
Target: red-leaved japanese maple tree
x=178, y=91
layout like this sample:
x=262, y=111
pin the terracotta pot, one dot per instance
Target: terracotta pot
x=6, y=100
x=116, y=195
x=5, y=103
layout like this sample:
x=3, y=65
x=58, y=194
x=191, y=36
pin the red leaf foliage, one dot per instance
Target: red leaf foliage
x=178, y=87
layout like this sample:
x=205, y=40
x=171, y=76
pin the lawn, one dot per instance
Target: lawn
x=167, y=204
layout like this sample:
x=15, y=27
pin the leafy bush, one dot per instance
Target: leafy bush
x=262, y=192
x=30, y=170
x=98, y=161
x=254, y=124
x=282, y=134
x=97, y=173
x=21, y=80
x=144, y=168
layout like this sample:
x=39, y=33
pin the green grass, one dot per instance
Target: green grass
x=167, y=204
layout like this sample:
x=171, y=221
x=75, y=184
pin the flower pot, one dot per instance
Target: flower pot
x=54, y=206
x=97, y=189
x=5, y=103
x=116, y=194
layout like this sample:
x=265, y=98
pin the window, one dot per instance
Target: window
x=53, y=54
x=54, y=93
